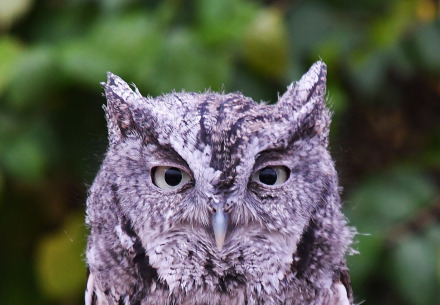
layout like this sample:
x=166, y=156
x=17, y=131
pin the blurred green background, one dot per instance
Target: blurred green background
x=383, y=62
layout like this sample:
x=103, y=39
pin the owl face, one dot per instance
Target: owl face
x=215, y=190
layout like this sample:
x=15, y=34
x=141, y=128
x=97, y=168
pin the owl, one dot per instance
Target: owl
x=210, y=198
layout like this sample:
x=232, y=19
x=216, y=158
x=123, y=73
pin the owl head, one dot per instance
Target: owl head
x=207, y=196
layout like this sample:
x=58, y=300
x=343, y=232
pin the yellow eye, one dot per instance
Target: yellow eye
x=272, y=175
x=169, y=178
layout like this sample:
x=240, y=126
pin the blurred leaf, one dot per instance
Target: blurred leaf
x=9, y=128
x=25, y=159
x=427, y=42
x=336, y=44
x=36, y=75
x=438, y=264
x=376, y=207
x=220, y=21
x=426, y=10
x=389, y=29
x=27, y=149
x=2, y=184
x=431, y=156
x=400, y=61
x=11, y=10
x=126, y=45
x=365, y=264
x=338, y=98
x=184, y=63
x=86, y=64
x=265, y=46
x=413, y=271
x=9, y=52
x=59, y=260
x=368, y=71
x=309, y=24
x=115, y=5
x=384, y=199
x=61, y=23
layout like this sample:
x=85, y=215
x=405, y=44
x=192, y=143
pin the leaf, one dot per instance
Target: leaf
x=338, y=97
x=10, y=50
x=2, y=184
x=25, y=158
x=309, y=24
x=376, y=207
x=265, y=45
x=426, y=10
x=11, y=10
x=28, y=148
x=126, y=45
x=427, y=43
x=365, y=264
x=185, y=63
x=223, y=21
x=35, y=76
x=383, y=200
x=59, y=260
x=387, y=30
x=413, y=269
x=115, y=5
x=368, y=71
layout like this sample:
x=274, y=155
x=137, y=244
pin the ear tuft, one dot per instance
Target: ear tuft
x=312, y=85
x=304, y=102
x=120, y=98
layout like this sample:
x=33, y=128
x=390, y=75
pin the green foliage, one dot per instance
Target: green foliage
x=388, y=198
x=59, y=268
x=9, y=51
x=10, y=11
x=266, y=45
x=384, y=85
x=390, y=254
x=412, y=266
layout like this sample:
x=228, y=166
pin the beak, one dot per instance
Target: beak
x=220, y=224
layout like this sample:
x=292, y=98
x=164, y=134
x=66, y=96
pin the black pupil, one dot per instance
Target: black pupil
x=268, y=176
x=173, y=176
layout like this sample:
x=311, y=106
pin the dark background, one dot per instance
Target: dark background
x=383, y=62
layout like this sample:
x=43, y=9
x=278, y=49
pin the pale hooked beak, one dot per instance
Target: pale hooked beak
x=220, y=224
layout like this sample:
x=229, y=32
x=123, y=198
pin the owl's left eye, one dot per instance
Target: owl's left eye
x=271, y=175
x=169, y=178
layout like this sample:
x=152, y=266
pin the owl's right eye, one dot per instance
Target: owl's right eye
x=271, y=175
x=169, y=178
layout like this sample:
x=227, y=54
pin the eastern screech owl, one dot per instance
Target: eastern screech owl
x=209, y=198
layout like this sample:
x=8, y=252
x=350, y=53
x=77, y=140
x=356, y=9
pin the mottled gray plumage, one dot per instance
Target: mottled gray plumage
x=252, y=215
